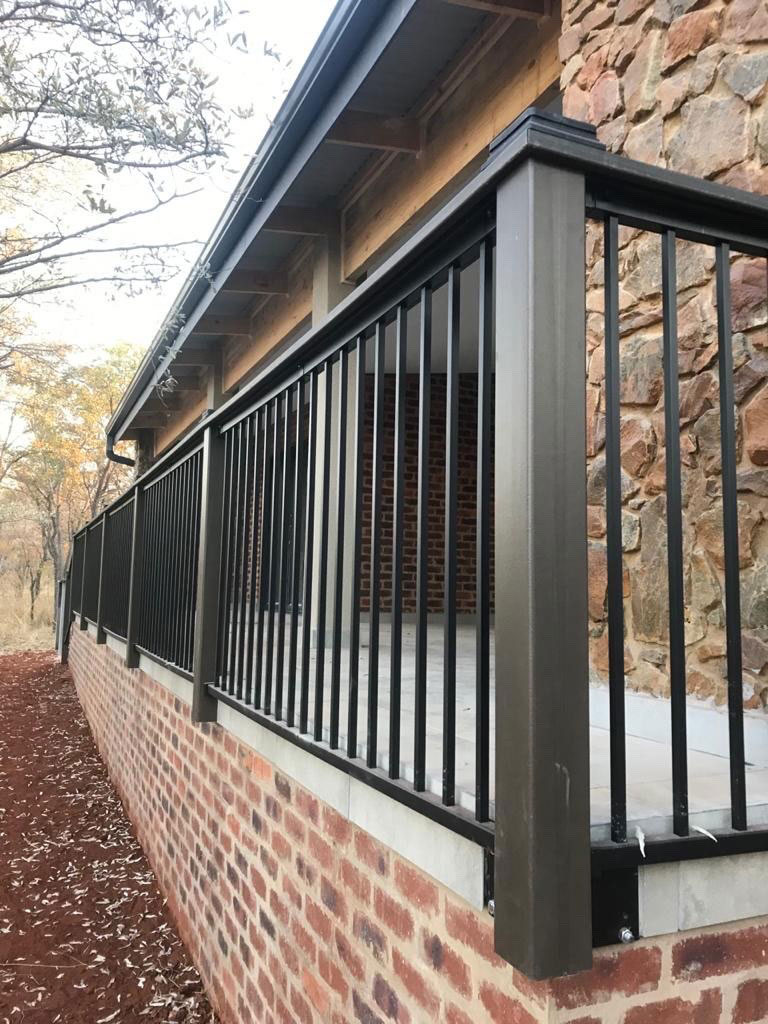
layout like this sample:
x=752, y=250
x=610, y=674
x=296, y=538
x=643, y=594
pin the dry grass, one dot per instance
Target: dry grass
x=17, y=633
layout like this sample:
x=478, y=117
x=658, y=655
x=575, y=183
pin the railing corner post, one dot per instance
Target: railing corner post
x=135, y=581
x=542, y=863
x=208, y=576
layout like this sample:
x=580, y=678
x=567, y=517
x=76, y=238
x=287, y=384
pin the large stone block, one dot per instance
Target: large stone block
x=641, y=79
x=641, y=371
x=688, y=35
x=746, y=21
x=756, y=428
x=712, y=137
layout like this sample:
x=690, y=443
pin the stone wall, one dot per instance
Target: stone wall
x=683, y=85
x=294, y=914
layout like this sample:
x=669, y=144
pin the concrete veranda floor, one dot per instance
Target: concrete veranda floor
x=649, y=773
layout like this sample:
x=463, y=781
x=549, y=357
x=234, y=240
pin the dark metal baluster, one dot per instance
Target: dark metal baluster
x=274, y=547
x=375, y=598
x=357, y=512
x=613, y=536
x=148, y=596
x=731, y=541
x=396, y=648
x=248, y=687
x=283, y=561
x=164, y=560
x=322, y=568
x=299, y=468
x=451, y=484
x=174, y=486
x=245, y=534
x=182, y=579
x=309, y=528
x=483, y=541
x=422, y=543
x=236, y=553
x=263, y=537
x=338, y=592
x=226, y=558
x=141, y=535
x=674, y=539
x=194, y=552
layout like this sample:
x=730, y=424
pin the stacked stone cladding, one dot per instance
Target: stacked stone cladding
x=682, y=85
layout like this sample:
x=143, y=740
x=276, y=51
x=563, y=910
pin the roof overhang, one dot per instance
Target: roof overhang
x=316, y=138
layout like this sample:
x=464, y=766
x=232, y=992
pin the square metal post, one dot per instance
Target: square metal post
x=542, y=862
x=101, y=636
x=208, y=576
x=135, y=580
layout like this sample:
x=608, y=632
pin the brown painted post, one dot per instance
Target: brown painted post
x=542, y=862
x=208, y=576
x=135, y=581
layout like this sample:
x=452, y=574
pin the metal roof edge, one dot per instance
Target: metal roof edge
x=349, y=22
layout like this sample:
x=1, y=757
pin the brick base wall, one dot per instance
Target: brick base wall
x=293, y=914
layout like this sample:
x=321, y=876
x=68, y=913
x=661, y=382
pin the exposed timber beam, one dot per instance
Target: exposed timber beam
x=254, y=282
x=302, y=220
x=186, y=383
x=160, y=404
x=222, y=325
x=144, y=420
x=194, y=356
x=373, y=131
x=535, y=10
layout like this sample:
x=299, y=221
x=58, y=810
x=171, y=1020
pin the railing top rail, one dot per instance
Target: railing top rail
x=718, y=209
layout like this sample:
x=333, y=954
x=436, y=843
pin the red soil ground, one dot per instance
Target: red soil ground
x=84, y=934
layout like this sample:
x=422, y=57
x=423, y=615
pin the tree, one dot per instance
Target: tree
x=102, y=103
x=63, y=477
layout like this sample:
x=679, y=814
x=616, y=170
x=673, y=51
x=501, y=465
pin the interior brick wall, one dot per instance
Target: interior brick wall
x=293, y=914
x=466, y=498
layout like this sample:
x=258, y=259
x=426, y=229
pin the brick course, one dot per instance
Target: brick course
x=292, y=914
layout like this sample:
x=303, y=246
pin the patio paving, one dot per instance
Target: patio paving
x=649, y=771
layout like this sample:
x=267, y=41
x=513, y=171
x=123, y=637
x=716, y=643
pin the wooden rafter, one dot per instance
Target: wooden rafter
x=157, y=404
x=439, y=94
x=532, y=9
x=253, y=282
x=149, y=420
x=222, y=325
x=195, y=356
x=185, y=383
x=374, y=131
x=302, y=220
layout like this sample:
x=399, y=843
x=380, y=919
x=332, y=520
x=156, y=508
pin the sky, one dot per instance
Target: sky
x=93, y=317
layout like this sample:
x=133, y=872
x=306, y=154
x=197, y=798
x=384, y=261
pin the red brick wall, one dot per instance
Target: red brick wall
x=293, y=914
x=466, y=499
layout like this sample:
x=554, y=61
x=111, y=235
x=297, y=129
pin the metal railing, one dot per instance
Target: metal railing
x=284, y=555
x=118, y=524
